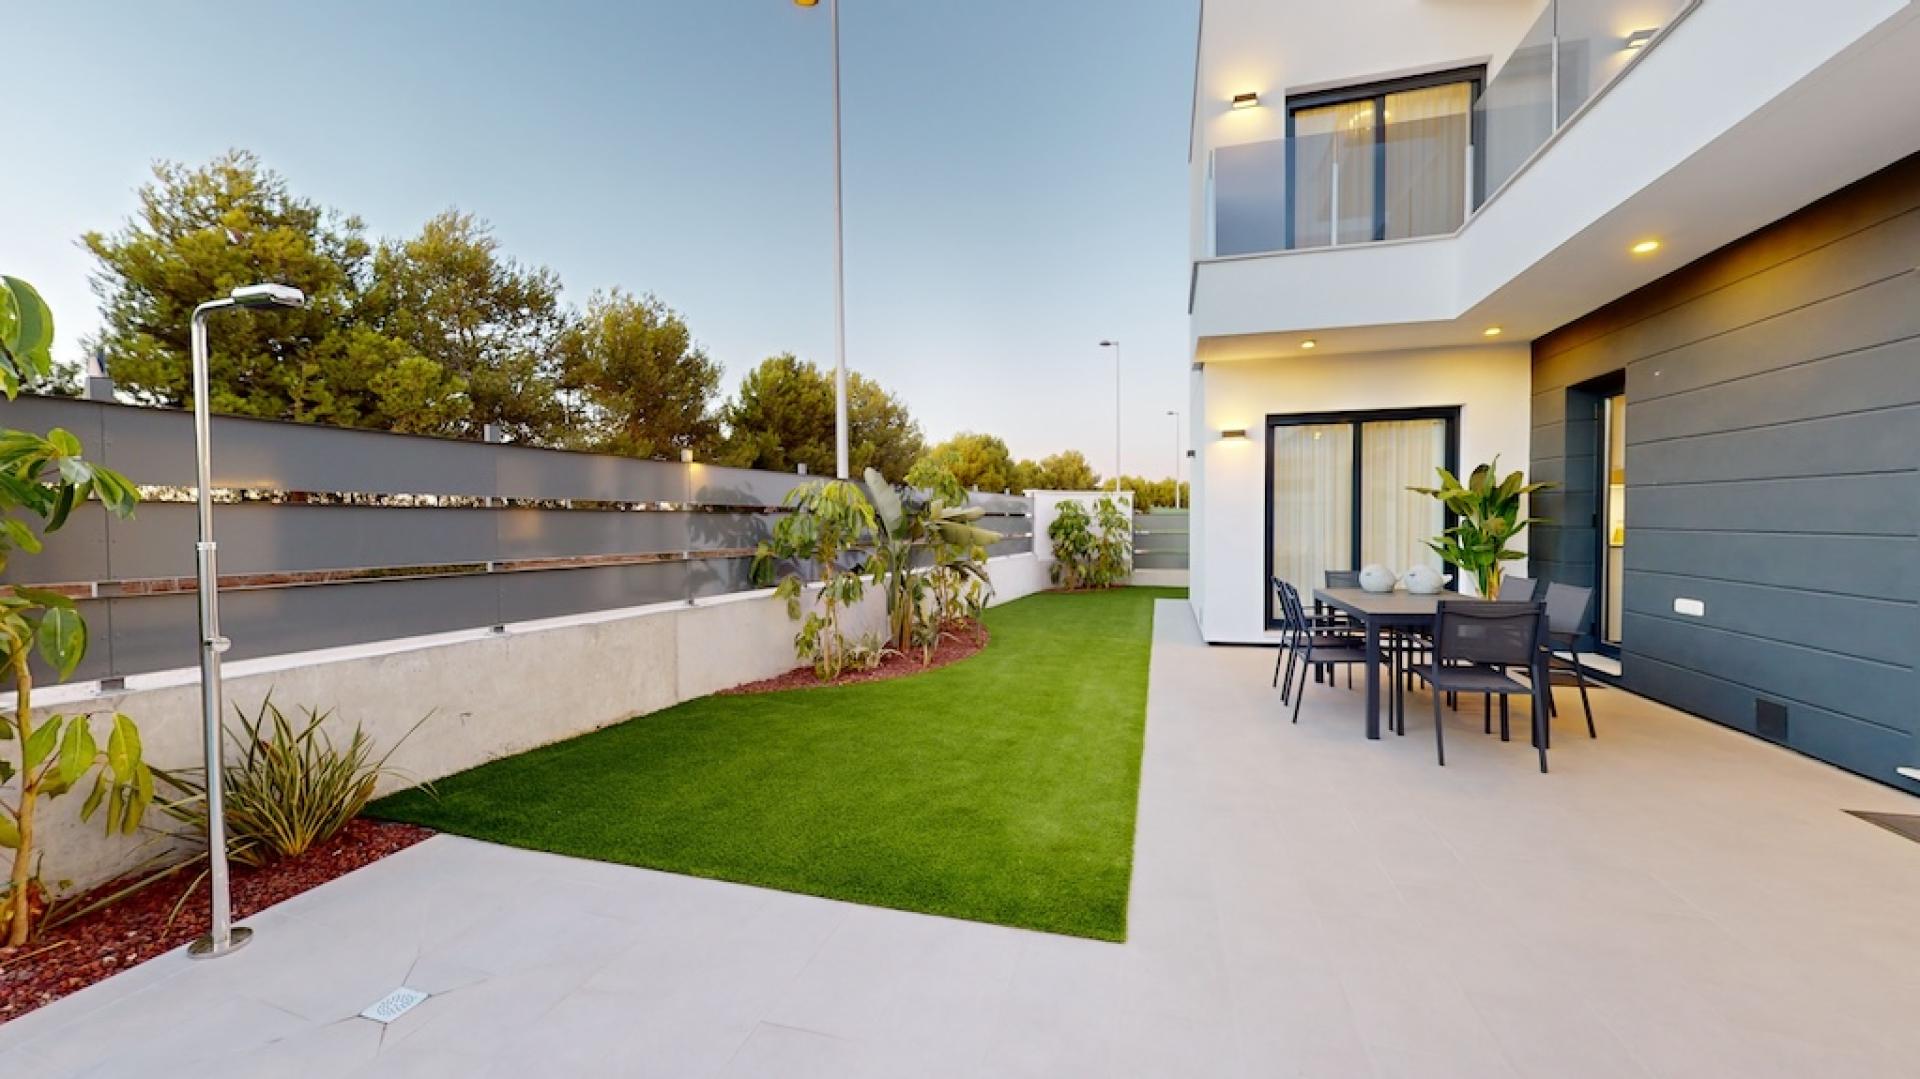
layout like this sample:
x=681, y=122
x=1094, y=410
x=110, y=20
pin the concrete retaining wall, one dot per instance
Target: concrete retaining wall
x=490, y=695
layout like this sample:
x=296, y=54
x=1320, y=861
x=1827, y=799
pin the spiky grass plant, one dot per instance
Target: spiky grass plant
x=290, y=787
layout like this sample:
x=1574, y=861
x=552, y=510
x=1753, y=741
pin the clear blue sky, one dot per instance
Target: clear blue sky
x=1016, y=170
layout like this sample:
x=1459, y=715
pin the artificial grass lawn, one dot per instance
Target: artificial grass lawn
x=1001, y=788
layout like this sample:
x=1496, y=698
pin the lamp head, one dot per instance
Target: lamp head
x=268, y=295
x=1109, y=344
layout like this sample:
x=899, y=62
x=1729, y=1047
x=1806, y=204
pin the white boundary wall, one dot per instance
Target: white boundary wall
x=1046, y=506
x=491, y=694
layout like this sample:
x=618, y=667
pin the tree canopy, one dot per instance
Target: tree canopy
x=783, y=417
x=979, y=461
x=449, y=295
x=198, y=234
x=1067, y=470
x=444, y=333
x=642, y=386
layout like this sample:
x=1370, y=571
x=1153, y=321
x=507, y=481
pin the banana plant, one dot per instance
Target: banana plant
x=1488, y=514
x=46, y=478
x=830, y=519
x=914, y=530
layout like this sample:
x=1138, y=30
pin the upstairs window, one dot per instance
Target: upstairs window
x=1385, y=161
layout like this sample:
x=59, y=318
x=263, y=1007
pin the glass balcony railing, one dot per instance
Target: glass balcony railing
x=1419, y=162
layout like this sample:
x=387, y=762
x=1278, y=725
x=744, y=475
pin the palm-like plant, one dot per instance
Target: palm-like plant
x=914, y=529
x=1489, y=518
x=829, y=521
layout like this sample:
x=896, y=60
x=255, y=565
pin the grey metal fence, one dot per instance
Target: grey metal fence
x=332, y=536
x=1160, y=539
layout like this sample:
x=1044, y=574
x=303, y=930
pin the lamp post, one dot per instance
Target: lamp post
x=1115, y=346
x=1176, y=456
x=839, y=259
x=221, y=936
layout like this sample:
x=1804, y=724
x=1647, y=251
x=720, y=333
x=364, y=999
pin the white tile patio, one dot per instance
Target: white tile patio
x=1673, y=900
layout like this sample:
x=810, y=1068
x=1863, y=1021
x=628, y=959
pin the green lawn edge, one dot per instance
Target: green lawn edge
x=1002, y=789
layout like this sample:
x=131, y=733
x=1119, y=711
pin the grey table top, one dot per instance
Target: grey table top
x=1397, y=604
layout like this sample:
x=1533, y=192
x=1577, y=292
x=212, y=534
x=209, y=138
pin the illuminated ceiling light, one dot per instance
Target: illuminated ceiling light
x=1646, y=247
x=1248, y=100
x=1639, y=38
x=1309, y=343
x=1491, y=331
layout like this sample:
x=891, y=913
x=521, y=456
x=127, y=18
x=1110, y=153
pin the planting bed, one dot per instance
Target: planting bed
x=132, y=930
x=958, y=641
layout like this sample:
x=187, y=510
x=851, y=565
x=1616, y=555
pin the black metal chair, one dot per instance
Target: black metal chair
x=1315, y=650
x=1339, y=578
x=1291, y=632
x=1567, y=607
x=1475, y=642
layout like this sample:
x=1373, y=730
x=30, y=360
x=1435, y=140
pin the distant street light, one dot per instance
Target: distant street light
x=1115, y=346
x=1176, y=457
x=221, y=937
x=839, y=260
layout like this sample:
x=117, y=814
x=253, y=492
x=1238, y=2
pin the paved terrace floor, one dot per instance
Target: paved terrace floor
x=1674, y=900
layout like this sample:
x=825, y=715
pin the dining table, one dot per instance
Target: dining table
x=1375, y=612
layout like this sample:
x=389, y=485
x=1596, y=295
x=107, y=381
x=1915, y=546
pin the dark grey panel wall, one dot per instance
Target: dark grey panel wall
x=733, y=510
x=1773, y=473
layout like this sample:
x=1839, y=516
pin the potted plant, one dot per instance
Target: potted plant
x=1488, y=515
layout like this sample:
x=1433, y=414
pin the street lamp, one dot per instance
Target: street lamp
x=1115, y=346
x=1176, y=456
x=839, y=259
x=221, y=936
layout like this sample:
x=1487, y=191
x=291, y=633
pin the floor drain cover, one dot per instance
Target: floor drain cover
x=393, y=1005
x=1903, y=824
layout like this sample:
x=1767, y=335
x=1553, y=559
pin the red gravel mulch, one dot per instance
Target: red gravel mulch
x=957, y=641
x=101, y=944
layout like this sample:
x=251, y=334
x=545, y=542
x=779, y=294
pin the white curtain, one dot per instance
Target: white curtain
x=1395, y=523
x=1312, y=502
x=1426, y=159
x=1324, y=137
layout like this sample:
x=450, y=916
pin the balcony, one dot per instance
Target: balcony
x=1357, y=173
x=1576, y=149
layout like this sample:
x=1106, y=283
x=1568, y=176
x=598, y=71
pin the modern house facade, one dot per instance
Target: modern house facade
x=1659, y=253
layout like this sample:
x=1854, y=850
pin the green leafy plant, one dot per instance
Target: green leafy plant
x=45, y=478
x=1091, y=549
x=829, y=522
x=1489, y=518
x=927, y=552
x=288, y=787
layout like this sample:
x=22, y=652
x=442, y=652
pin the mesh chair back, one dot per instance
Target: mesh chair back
x=1280, y=587
x=1488, y=631
x=1343, y=578
x=1295, y=614
x=1567, y=606
x=1518, y=589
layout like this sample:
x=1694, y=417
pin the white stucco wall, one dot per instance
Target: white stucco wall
x=490, y=695
x=1490, y=384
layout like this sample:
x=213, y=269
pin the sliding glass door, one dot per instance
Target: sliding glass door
x=1387, y=161
x=1337, y=494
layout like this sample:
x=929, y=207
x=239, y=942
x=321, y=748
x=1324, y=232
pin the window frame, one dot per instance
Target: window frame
x=1357, y=419
x=1475, y=75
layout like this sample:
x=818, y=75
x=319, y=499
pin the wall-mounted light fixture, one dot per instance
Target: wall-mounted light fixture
x=1646, y=247
x=1248, y=100
x=1639, y=38
x=1232, y=434
x=1309, y=343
